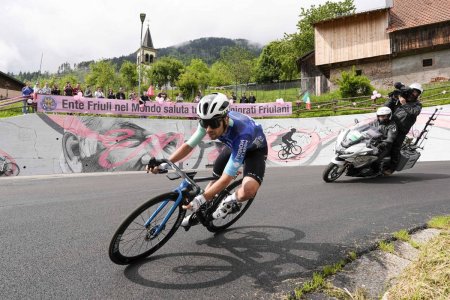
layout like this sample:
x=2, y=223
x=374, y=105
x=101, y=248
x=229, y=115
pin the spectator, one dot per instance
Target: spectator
x=55, y=90
x=132, y=96
x=46, y=90
x=244, y=98
x=179, y=98
x=27, y=92
x=88, y=92
x=111, y=94
x=233, y=96
x=120, y=94
x=68, y=90
x=144, y=98
x=198, y=97
x=251, y=99
x=99, y=93
x=37, y=88
x=76, y=89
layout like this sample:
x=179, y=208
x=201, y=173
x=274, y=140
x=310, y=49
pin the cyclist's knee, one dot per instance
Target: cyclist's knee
x=248, y=189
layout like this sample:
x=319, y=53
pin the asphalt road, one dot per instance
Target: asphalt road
x=55, y=233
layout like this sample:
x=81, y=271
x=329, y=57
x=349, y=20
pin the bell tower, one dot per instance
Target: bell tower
x=147, y=53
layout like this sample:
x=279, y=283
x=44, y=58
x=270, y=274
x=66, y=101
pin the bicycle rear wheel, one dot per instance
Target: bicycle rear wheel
x=216, y=225
x=133, y=241
x=11, y=169
x=296, y=149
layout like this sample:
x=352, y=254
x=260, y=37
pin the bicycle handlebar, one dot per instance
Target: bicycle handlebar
x=153, y=162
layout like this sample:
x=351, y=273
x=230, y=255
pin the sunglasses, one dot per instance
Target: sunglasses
x=213, y=123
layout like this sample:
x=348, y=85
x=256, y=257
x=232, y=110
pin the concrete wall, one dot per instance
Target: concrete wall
x=409, y=69
x=54, y=144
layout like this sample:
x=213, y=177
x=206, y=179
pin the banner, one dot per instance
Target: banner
x=66, y=104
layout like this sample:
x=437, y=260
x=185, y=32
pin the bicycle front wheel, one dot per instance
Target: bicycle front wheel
x=296, y=149
x=134, y=241
x=220, y=224
x=11, y=169
x=283, y=154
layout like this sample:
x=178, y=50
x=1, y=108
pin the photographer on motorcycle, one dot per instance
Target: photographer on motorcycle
x=405, y=105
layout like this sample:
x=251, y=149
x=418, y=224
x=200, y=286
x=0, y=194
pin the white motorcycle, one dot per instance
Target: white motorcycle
x=356, y=153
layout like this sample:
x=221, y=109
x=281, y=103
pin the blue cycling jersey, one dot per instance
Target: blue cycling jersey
x=242, y=135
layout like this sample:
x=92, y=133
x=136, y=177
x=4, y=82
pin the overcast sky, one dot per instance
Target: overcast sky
x=82, y=30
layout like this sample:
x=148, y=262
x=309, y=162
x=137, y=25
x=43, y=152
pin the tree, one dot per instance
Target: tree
x=220, y=75
x=304, y=39
x=102, y=74
x=165, y=70
x=239, y=62
x=268, y=66
x=128, y=75
x=195, y=77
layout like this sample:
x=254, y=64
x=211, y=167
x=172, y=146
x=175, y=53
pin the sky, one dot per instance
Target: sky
x=73, y=31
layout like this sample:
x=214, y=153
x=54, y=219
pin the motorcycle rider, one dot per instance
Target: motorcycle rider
x=388, y=129
x=405, y=110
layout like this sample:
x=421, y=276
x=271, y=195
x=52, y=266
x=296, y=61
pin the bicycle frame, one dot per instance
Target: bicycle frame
x=188, y=185
x=183, y=186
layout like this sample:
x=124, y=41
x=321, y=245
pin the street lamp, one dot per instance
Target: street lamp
x=142, y=16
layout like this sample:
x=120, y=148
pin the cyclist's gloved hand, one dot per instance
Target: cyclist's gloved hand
x=195, y=204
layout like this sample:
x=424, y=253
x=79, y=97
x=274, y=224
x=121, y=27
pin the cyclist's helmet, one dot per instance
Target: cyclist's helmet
x=213, y=106
x=384, y=111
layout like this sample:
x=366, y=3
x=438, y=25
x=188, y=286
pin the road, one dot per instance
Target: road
x=55, y=233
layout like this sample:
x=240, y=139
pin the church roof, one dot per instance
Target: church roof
x=148, y=39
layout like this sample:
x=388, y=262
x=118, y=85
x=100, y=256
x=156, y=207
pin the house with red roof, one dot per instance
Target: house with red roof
x=407, y=41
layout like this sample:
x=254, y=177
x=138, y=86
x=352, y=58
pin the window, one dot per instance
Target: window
x=358, y=72
x=427, y=62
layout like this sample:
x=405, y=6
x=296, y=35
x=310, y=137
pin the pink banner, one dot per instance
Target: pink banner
x=65, y=104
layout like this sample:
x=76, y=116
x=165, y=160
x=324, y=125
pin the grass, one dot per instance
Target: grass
x=386, y=246
x=429, y=276
x=441, y=222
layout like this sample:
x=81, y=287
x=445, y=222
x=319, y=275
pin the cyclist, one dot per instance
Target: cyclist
x=245, y=145
x=287, y=138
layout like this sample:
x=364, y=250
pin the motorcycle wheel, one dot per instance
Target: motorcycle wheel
x=332, y=172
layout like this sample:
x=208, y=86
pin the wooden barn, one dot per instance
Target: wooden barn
x=407, y=41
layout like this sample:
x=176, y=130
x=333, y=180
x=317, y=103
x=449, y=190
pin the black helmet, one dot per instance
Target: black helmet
x=293, y=130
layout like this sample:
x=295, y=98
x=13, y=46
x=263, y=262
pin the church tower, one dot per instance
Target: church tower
x=147, y=53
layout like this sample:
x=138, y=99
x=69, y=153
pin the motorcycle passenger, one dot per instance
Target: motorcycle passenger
x=287, y=138
x=245, y=144
x=405, y=111
x=388, y=129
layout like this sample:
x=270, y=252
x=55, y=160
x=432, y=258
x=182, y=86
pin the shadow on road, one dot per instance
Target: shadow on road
x=267, y=254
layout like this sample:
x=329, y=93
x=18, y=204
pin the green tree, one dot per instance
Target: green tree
x=102, y=74
x=220, y=75
x=188, y=84
x=268, y=66
x=129, y=75
x=165, y=70
x=239, y=62
x=304, y=39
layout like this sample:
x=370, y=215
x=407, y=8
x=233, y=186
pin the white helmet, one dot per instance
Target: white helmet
x=213, y=105
x=416, y=86
x=384, y=110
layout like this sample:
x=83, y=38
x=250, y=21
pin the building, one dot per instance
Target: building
x=407, y=41
x=9, y=86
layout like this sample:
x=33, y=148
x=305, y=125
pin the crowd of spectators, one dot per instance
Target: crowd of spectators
x=89, y=92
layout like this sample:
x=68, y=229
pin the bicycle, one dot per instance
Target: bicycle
x=8, y=168
x=153, y=223
x=292, y=148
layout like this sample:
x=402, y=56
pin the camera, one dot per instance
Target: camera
x=400, y=90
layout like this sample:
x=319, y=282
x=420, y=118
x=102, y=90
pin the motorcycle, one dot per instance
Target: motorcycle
x=356, y=152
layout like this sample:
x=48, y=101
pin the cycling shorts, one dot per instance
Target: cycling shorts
x=254, y=163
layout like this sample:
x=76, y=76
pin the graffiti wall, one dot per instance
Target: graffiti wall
x=54, y=144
